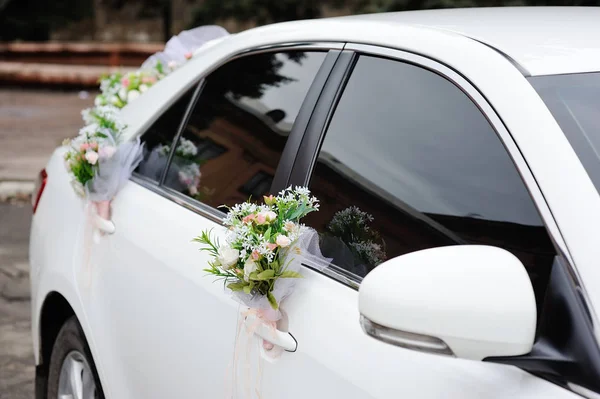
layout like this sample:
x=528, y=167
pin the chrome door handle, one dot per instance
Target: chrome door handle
x=285, y=340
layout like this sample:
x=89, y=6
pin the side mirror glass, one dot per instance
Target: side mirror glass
x=468, y=301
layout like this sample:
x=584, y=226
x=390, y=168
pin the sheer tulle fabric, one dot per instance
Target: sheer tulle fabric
x=185, y=42
x=304, y=251
x=114, y=172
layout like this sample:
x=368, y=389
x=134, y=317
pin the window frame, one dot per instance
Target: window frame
x=315, y=134
x=332, y=50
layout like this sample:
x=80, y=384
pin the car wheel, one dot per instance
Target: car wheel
x=72, y=372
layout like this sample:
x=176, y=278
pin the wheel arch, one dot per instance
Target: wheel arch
x=54, y=312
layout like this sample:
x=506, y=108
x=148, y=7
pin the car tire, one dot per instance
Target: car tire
x=71, y=357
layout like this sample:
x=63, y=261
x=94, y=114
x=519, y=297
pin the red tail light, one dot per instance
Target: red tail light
x=38, y=189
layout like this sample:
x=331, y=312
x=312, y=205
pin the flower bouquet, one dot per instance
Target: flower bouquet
x=97, y=159
x=264, y=248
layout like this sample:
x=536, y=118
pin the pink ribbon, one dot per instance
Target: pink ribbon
x=102, y=209
x=261, y=317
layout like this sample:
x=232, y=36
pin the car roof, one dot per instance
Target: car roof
x=542, y=40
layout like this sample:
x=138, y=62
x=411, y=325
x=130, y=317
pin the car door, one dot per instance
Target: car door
x=163, y=328
x=405, y=161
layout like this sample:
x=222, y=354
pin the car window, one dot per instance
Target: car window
x=158, y=138
x=236, y=133
x=408, y=162
x=574, y=100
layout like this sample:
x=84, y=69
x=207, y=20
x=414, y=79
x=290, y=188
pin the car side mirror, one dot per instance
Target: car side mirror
x=468, y=301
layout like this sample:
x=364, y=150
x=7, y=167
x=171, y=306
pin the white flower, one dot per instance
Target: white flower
x=87, y=116
x=89, y=130
x=289, y=226
x=92, y=157
x=172, y=64
x=115, y=100
x=249, y=267
x=122, y=93
x=270, y=216
x=227, y=257
x=143, y=88
x=283, y=241
x=132, y=95
x=187, y=148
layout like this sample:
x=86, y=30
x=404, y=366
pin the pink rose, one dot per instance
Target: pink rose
x=248, y=219
x=283, y=241
x=265, y=217
x=188, y=55
x=255, y=255
x=261, y=218
x=125, y=82
x=271, y=246
x=92, y=157
x=148, y=79
x=84, y=147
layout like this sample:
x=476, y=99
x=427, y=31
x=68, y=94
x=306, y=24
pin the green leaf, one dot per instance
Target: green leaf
x=290, y=274
x=272, y=300
x=236, y=286
x=275, y=265
x=266, y=275
x=268, y=234
x=247, y=289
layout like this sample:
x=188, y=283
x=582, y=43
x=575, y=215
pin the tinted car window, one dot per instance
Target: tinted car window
x=237, y=131
x=408, y=162
x=574, y=100
x=158, y=138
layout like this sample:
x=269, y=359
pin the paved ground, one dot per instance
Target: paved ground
x=32, y=124
x=16, y=353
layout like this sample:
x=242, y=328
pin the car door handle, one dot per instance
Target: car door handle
x=285, y=340
x=105, y=226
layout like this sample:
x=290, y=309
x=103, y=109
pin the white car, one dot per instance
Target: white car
x=456, y=158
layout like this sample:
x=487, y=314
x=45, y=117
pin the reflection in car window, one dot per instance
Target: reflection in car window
x=163, y=131
x=409, y=162
x=574, y=100
x=236, y=133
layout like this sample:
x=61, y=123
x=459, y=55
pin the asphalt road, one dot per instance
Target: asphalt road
x=32, y=124
x=16, y=352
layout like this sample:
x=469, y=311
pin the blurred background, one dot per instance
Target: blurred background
x=146, y=21
x=51, y=55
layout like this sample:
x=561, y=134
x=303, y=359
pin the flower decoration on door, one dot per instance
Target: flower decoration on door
x=263, y=249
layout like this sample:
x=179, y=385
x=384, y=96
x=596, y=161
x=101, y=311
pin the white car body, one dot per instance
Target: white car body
x=158, y=328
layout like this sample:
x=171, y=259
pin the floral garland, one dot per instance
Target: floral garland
x=99, y=139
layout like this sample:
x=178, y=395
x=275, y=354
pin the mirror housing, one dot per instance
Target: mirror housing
x=469, y=301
